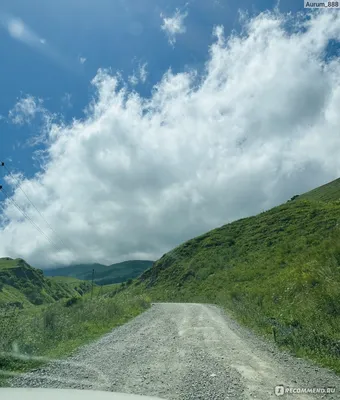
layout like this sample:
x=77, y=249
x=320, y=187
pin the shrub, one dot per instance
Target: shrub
x=73, y=300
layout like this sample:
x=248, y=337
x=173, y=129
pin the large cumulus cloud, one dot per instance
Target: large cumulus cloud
x=138, y=176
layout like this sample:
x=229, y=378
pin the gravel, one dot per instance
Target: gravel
x=182, y=351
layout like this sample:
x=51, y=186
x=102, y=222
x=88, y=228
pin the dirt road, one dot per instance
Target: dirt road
x=183, y=351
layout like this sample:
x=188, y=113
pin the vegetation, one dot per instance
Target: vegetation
x=49, y=317
x=104, y=274
x=328, y=192
x=104, y=290
x=278, y=273
x=22, y=286
x=55, y=330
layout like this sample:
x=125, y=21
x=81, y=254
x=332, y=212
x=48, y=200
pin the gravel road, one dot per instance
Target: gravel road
x=180, y=351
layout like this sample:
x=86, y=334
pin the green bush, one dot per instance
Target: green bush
x=73, y=300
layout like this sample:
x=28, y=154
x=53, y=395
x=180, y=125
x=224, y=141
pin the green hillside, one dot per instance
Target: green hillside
x=328, y=192
x=277, y=272
x=22, y=286
x=104, y=275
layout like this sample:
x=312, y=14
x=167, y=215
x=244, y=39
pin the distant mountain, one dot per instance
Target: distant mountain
x=103, y=274
x=22, y=285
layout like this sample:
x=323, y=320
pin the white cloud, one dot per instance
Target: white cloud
x=20, y=31
x=139, y=76
x=174, y=26
x=143, y=73
x=67, y=100
x=16, y=28
x=138, y=176
x=29, y=110
x=25, y=110
x=133, y=79
x=82, y=60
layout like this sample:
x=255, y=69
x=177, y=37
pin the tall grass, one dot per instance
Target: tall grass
x=56, y=330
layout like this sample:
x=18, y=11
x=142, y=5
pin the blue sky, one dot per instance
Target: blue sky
x=133, y=126
x=118, y=34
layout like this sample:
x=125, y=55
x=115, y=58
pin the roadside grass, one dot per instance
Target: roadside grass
x=277, y=273
x=56, y=330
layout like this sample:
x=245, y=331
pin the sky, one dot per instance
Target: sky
x=129, y=127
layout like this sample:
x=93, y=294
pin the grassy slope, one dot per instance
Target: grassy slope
x=102, y=290
x=8, y=263
x=277, y=272
x=27, y=286
x=328, y=192
x=104, y=275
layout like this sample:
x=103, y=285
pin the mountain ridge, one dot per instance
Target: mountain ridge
x=104, y=275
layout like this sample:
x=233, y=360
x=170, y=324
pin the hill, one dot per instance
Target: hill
x=327, y=193
x=104, y=275
x=277, y=272
x=22, y=285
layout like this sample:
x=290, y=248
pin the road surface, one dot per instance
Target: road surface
x=182, y=351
